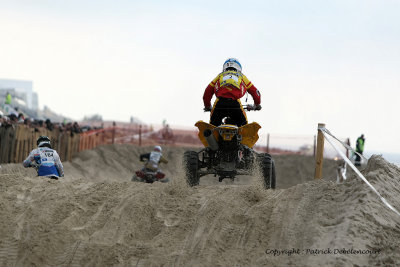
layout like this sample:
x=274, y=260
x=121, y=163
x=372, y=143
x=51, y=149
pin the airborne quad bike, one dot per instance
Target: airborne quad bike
x=228, y=153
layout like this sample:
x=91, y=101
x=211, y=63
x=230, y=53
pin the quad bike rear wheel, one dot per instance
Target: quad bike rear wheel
x=191, y=165
x=267, y=168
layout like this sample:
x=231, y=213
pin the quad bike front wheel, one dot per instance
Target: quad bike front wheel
x=267, y=169
x=135, y=178
x=191, y=165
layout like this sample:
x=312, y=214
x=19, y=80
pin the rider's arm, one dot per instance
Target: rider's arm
x=58, y=163
x=209, y=92
x=163, y=160
x=144, y=156
x=255, y=94
x=29, y=160
x=253, y=91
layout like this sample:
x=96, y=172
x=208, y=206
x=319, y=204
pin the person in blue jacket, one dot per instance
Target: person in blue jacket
x=45, y=159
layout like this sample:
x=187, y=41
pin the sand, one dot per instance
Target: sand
x=96, y=217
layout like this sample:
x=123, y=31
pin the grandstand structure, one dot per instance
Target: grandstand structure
x=21, y=92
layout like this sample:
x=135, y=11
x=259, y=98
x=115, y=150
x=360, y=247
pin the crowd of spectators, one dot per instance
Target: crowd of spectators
x=12, y=120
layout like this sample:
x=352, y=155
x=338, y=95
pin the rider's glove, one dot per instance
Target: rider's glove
x=257, y=107
x=207, y=109
x=250, y=107
x=33, y=165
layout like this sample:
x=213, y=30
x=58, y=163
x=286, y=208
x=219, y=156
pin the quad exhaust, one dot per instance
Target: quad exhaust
x=212, y=143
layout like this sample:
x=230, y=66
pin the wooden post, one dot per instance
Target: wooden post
x=17, y=139
x=347, y=151
x=113, y=132
x=113, y=135
x=320, y=153
x=26, y=143
x=69, y=155
x=267, y=143
x=140, y=135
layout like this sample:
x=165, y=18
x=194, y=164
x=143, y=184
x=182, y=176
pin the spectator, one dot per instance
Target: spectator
x=6, y=122
x=8, y=99
x=13, y=118
x=76, y=128
x=21, y=118
x=1, y=118
x=359, y=149
x=49, y=125
x=27, y=122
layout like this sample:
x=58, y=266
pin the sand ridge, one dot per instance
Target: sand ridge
x=97, y=217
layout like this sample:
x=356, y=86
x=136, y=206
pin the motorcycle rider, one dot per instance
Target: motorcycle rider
x=45, y=159
x=229, y=86
x=153, y=159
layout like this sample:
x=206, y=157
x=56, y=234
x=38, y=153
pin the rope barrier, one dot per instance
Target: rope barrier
x=344, y=144
x=325, y=133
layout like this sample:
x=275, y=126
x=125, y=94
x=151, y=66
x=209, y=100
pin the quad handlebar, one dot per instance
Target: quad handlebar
x=250, y=107
x=247, y=107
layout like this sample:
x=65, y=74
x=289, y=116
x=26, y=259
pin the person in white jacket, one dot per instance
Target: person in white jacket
x=153, y=159
x=45, y=159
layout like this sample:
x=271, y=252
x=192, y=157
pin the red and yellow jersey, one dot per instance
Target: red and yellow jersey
x=230, y=84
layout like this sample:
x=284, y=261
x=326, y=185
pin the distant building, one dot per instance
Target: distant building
x=21, y=90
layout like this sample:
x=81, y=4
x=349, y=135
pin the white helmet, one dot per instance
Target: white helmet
x=158, y=148
x=232, y=63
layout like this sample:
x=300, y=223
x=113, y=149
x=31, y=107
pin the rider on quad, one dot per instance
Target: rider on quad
x=151, y=171
x=229, y=86
x=45, y=159
x=153, y=159
x=229, y=139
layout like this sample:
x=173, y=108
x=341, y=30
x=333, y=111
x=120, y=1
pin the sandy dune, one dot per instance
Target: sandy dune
x=96, y=217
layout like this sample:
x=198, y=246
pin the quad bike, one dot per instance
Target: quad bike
x=35, y=166
x=228, y=152
x=148, y=176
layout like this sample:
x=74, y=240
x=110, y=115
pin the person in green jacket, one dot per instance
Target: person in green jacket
x=8, y=99
x=360, y=149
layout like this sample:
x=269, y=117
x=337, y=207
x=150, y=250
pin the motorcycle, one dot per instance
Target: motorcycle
x=227, y=153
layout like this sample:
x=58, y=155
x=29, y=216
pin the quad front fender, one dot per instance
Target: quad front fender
x=249, y=133
x=204, y=126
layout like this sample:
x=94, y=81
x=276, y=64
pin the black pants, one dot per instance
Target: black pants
x=357, y=162
x=232, y=109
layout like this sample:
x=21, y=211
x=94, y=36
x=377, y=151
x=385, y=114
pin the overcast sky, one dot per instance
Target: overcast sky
x=336, y=62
